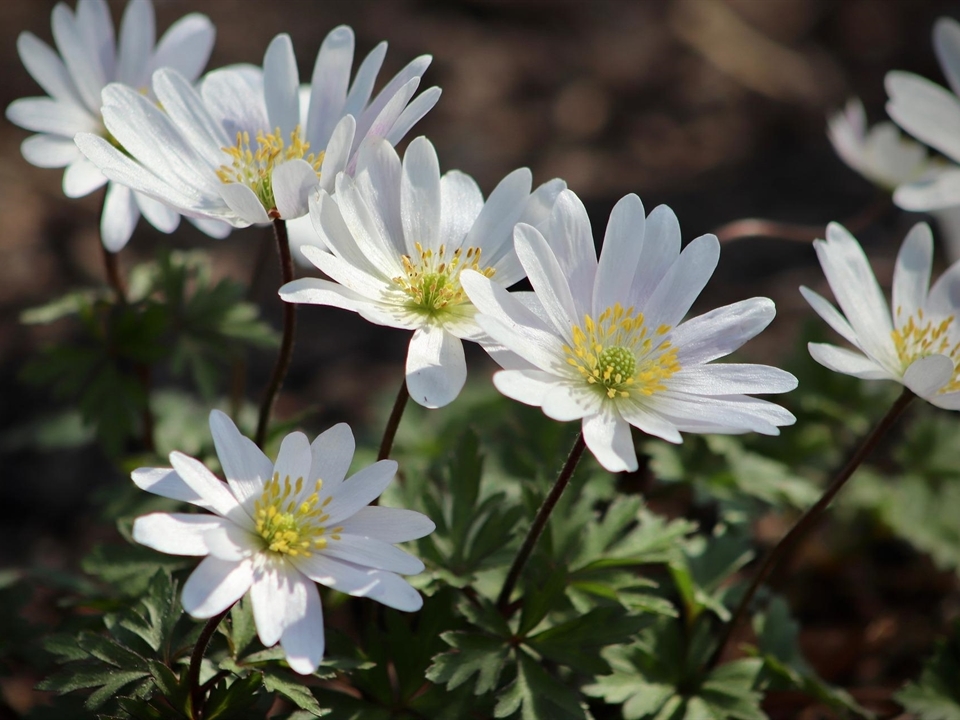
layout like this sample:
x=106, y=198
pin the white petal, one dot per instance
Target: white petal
x=620, y=254
x=608, y=437
x=206, y=485
x=649, y=422
x=947, y=401
x=932, y=193
x=232, y=542
x=382, y=126
x=363, y=81
x=281, y=85
x=460, y=204
x=857, y=292
x=911, y=274
x=81, y=178
x=927, y=375
x=216, y=229
x=493, y=227
x=166, y=483
x=848, y=362
x=367, y=552
x=571, y=240
x=163, y=217
x=138, y=33
x=538, y=347
x=331, y=454
x=185, y=46
x=119, y=217
x=683, y=282
x=721, y=331
x=95, y=26
x=563, y=402
x=176, y=533
x=337, y=154
x=199, y=128
x=944, y=297
x=294, y=460
x=216, y=585
x=293, y=181
x=400, y=85
x=83, y=62
x=244, y=202
x=364, y=231
x=270, y=592
x=378, y=181
x=51, y=116
x=436, y=369
x=49, y=151
x=946, y=43
x=359, y=490
x=526, y=386
x=730, y=413
x=328, y=86
x=825, y=309
x=732, y=379
x=235, y=95
x=385, y=587
x=550, y=280
x=244, y=464
x=412, y=114
x=420, y=197
x=661, y=248
x=925, y=110
x=46, y=67
x=389, y=525
x=303, y=640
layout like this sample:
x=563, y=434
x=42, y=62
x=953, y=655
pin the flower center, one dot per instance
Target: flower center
x=921, y=337
x=620, y=355
x=290, y=524
x=254, y=167
x=432, y=281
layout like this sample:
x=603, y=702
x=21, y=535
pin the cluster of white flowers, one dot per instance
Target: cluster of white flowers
x=604, y=341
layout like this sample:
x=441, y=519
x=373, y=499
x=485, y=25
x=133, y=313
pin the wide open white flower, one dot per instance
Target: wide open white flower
x=397, y=237
x=931, y=114
x=919, y=346
x=605, y=341
x=237, y=150
x=90, y=58
x=880, y=153
x=278, y=528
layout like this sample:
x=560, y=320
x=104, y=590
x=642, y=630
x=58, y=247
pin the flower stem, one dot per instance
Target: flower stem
x=111, y=265
x=809, y=518
x=539, y=523
x=196, y=658
x=390, y=431
x=289, y=330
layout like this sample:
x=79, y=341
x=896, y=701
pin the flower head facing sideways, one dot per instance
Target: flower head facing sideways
x=918, y=345
x=89, y=57
x=931, y=113
x=279, y=528
x=241, y=148
x=605, y=342
x=396, y=238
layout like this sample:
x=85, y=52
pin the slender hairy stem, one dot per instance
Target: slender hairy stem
x=196, y=658
x=111, y=265
x=289, y=330
x=390, y=431
x=539, y=523
x=809, y=518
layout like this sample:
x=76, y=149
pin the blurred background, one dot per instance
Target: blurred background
x=715, y=107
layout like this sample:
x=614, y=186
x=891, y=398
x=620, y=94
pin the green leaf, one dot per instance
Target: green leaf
x=936, y=695
x=129, y=568
x=108, y=682
x=227, y=699
x=242, y=627
x=537, y=695
x=481, y=655
x=293, y=691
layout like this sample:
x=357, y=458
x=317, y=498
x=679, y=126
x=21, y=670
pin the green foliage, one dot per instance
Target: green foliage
x=936, y=695
x=176, y=313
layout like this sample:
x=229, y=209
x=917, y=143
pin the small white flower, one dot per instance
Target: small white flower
x=605, y=341
x=279, y=528
x=90, y=58
x=399, y=235
x=931, y=114
x=881, y=154
x=241, y=150
x=919, y=346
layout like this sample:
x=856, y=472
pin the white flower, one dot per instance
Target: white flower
x=919, y=347
x=931, y=114
x=279, y=528
x=881, y=154
x=238, y=150
x=90, y=58
x=605, y=342
x=398, y=238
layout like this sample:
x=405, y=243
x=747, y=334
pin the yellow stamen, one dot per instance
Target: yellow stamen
x=432, y=280
x=920, y=337
x=289, y=523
